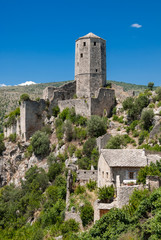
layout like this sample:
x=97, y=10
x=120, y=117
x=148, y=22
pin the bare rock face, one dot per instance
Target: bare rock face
x=13, y=164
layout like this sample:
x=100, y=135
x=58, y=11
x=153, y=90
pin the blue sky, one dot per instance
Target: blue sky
x=37, y=38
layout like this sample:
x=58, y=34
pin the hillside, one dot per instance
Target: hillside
x=9, y=96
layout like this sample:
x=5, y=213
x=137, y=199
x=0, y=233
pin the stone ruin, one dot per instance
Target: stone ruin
x=88, y=94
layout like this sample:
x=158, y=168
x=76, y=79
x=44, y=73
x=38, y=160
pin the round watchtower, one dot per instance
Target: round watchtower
x=90, y=65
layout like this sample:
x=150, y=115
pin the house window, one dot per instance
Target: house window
x=131, y=175
x=94, y=43
x=84, y=44
x=81, y=55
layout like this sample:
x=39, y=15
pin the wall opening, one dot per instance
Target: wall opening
x=84, y=44
x=131, y=175
x=94, y=43
x=81, y=55
x=96, y=70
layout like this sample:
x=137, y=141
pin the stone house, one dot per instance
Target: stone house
x=123, y=162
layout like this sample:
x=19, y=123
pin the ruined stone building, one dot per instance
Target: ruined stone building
x=87, y=94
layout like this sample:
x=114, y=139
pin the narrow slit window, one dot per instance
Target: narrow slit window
x=84, y=44
x=94, y=43
x=81, y=55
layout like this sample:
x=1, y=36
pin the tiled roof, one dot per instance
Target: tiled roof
x=90, y=35
x=124, y=157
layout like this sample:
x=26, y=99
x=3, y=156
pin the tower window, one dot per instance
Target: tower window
x=84, y=44
x=94, y=43
x=81, y=55
x=96, y=70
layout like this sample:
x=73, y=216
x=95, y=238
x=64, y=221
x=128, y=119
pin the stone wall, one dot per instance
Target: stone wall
x=15, y=128
x=66, y=91
x=82, y=106
x=102, y=141
x=83, y=176
x=103, y=103
x=153, y=182
x=31, y=117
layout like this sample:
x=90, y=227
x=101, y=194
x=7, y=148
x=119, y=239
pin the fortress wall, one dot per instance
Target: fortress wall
x=103, y=103
x=102, y=141
x=31, y=117
x=82, y=106
x=66, y=91
x=15, y=128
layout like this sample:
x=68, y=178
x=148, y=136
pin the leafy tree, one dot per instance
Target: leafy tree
x=147, y=116
x=69, y=226
x=40, y=144
x=150, y=85
x=96, y=126
x=128, y=103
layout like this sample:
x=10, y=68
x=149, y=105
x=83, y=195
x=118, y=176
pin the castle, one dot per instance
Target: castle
x=88, y=94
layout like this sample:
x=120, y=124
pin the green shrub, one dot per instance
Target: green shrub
x=114, y=110
x=55, y=111
x=147, y=116
x=115, y=118
x=135, y=133
x=12, y=137
x=24, y=97
x=94, y=157
x=69, y=226
x=29, y=151
x=91, y=185
x=51, y=159
x=54, y=170
x=71, y=149
x=40, y=144
x=60, y=132
x=115, y=142
x=88, y=146
x=46, y=129
x=96, y=126
x=87, y=214
x=78, y=153
x=80, y=190
x=106, y=194
x=68, y=130
x=80, y=133
x=142, y=136
x=84, y=163
x=2, y=145
x=11, y=117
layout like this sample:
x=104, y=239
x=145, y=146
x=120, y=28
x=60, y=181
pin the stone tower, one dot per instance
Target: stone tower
x=90, y=65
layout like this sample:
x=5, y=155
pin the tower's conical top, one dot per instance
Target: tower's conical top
x=90, y=35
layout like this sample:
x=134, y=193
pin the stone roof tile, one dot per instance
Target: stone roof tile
x=124, y=157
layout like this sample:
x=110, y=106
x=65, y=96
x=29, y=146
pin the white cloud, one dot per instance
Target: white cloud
x=2, y=85
x=26, y=83
x=136, y=25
